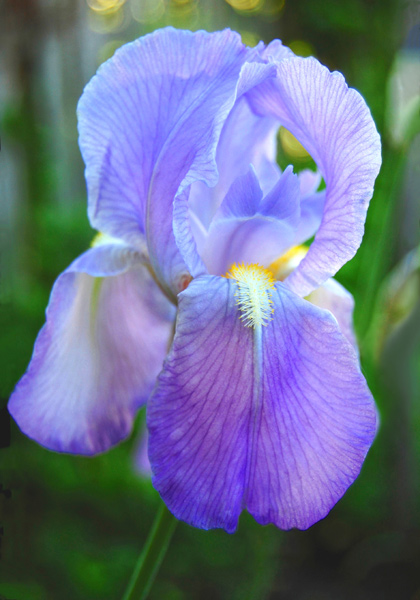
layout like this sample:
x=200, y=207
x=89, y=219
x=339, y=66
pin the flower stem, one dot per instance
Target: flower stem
x=152, y=555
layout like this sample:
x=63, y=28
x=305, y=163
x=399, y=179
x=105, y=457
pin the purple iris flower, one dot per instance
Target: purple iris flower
x=260, y=403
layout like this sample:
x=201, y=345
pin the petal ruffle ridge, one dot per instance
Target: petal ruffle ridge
x=281, y=430
x=95, y=360
x=335, y=126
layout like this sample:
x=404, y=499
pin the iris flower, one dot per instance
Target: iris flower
x=260, y=403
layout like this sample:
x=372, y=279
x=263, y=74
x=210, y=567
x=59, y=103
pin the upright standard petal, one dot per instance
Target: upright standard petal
x=150, y=120
x=276, y=418
x=248, y=227
x=95, y=360
x=246, y=138
x=335, y=126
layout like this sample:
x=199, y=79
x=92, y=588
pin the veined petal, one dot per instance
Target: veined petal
x=335, y=126
x=317, y=417
x=248, y=227
x=199, y=415
x=275, y=51
x=150, y=121
x=246, y=138
x=95, y=360
x=276, y=418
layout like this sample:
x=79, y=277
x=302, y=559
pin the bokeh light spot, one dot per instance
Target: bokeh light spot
x=105, y=6
x=302, y=48
x=183, y=13
x=272, y=8
x=246, y=5
x=147, y=11
x=106, y=22
x=108, y=50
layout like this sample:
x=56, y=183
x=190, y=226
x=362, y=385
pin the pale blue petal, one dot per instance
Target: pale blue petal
x=249, y=228
x=149, y=121
x=95, y=360
x=335, y=126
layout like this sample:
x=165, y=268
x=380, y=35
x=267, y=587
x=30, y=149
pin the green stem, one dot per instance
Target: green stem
x=152, y=555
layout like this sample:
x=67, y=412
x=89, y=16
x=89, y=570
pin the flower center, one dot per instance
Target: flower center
x=253, y=296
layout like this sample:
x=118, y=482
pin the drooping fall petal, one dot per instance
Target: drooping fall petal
x=277, y=420
x=95, y=360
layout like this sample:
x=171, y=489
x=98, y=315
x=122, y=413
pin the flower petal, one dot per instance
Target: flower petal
x=309, y=182
x=198, y=417
x=95, y=360
x=334, y=297
x=150, y=120
x=335, y=126
x=249, y=228
x=279, y=423
x=275, y=51
x=311, y=212
x=141, y=456
x=317, y=417
x=246, y=138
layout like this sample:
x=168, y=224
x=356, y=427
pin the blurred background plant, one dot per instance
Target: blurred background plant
x=71, y=528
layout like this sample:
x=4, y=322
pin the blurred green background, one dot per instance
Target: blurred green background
x=71, y=528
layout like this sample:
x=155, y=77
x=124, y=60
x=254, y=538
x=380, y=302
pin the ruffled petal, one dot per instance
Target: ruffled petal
x=335, y=126
x=150, y=120
x=276, y=419
x=96, y=359
x=246, y=138
x=249, y=228
x=334, y=297
x=275, y=51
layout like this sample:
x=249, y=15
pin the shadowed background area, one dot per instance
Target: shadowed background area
x=71, y=528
